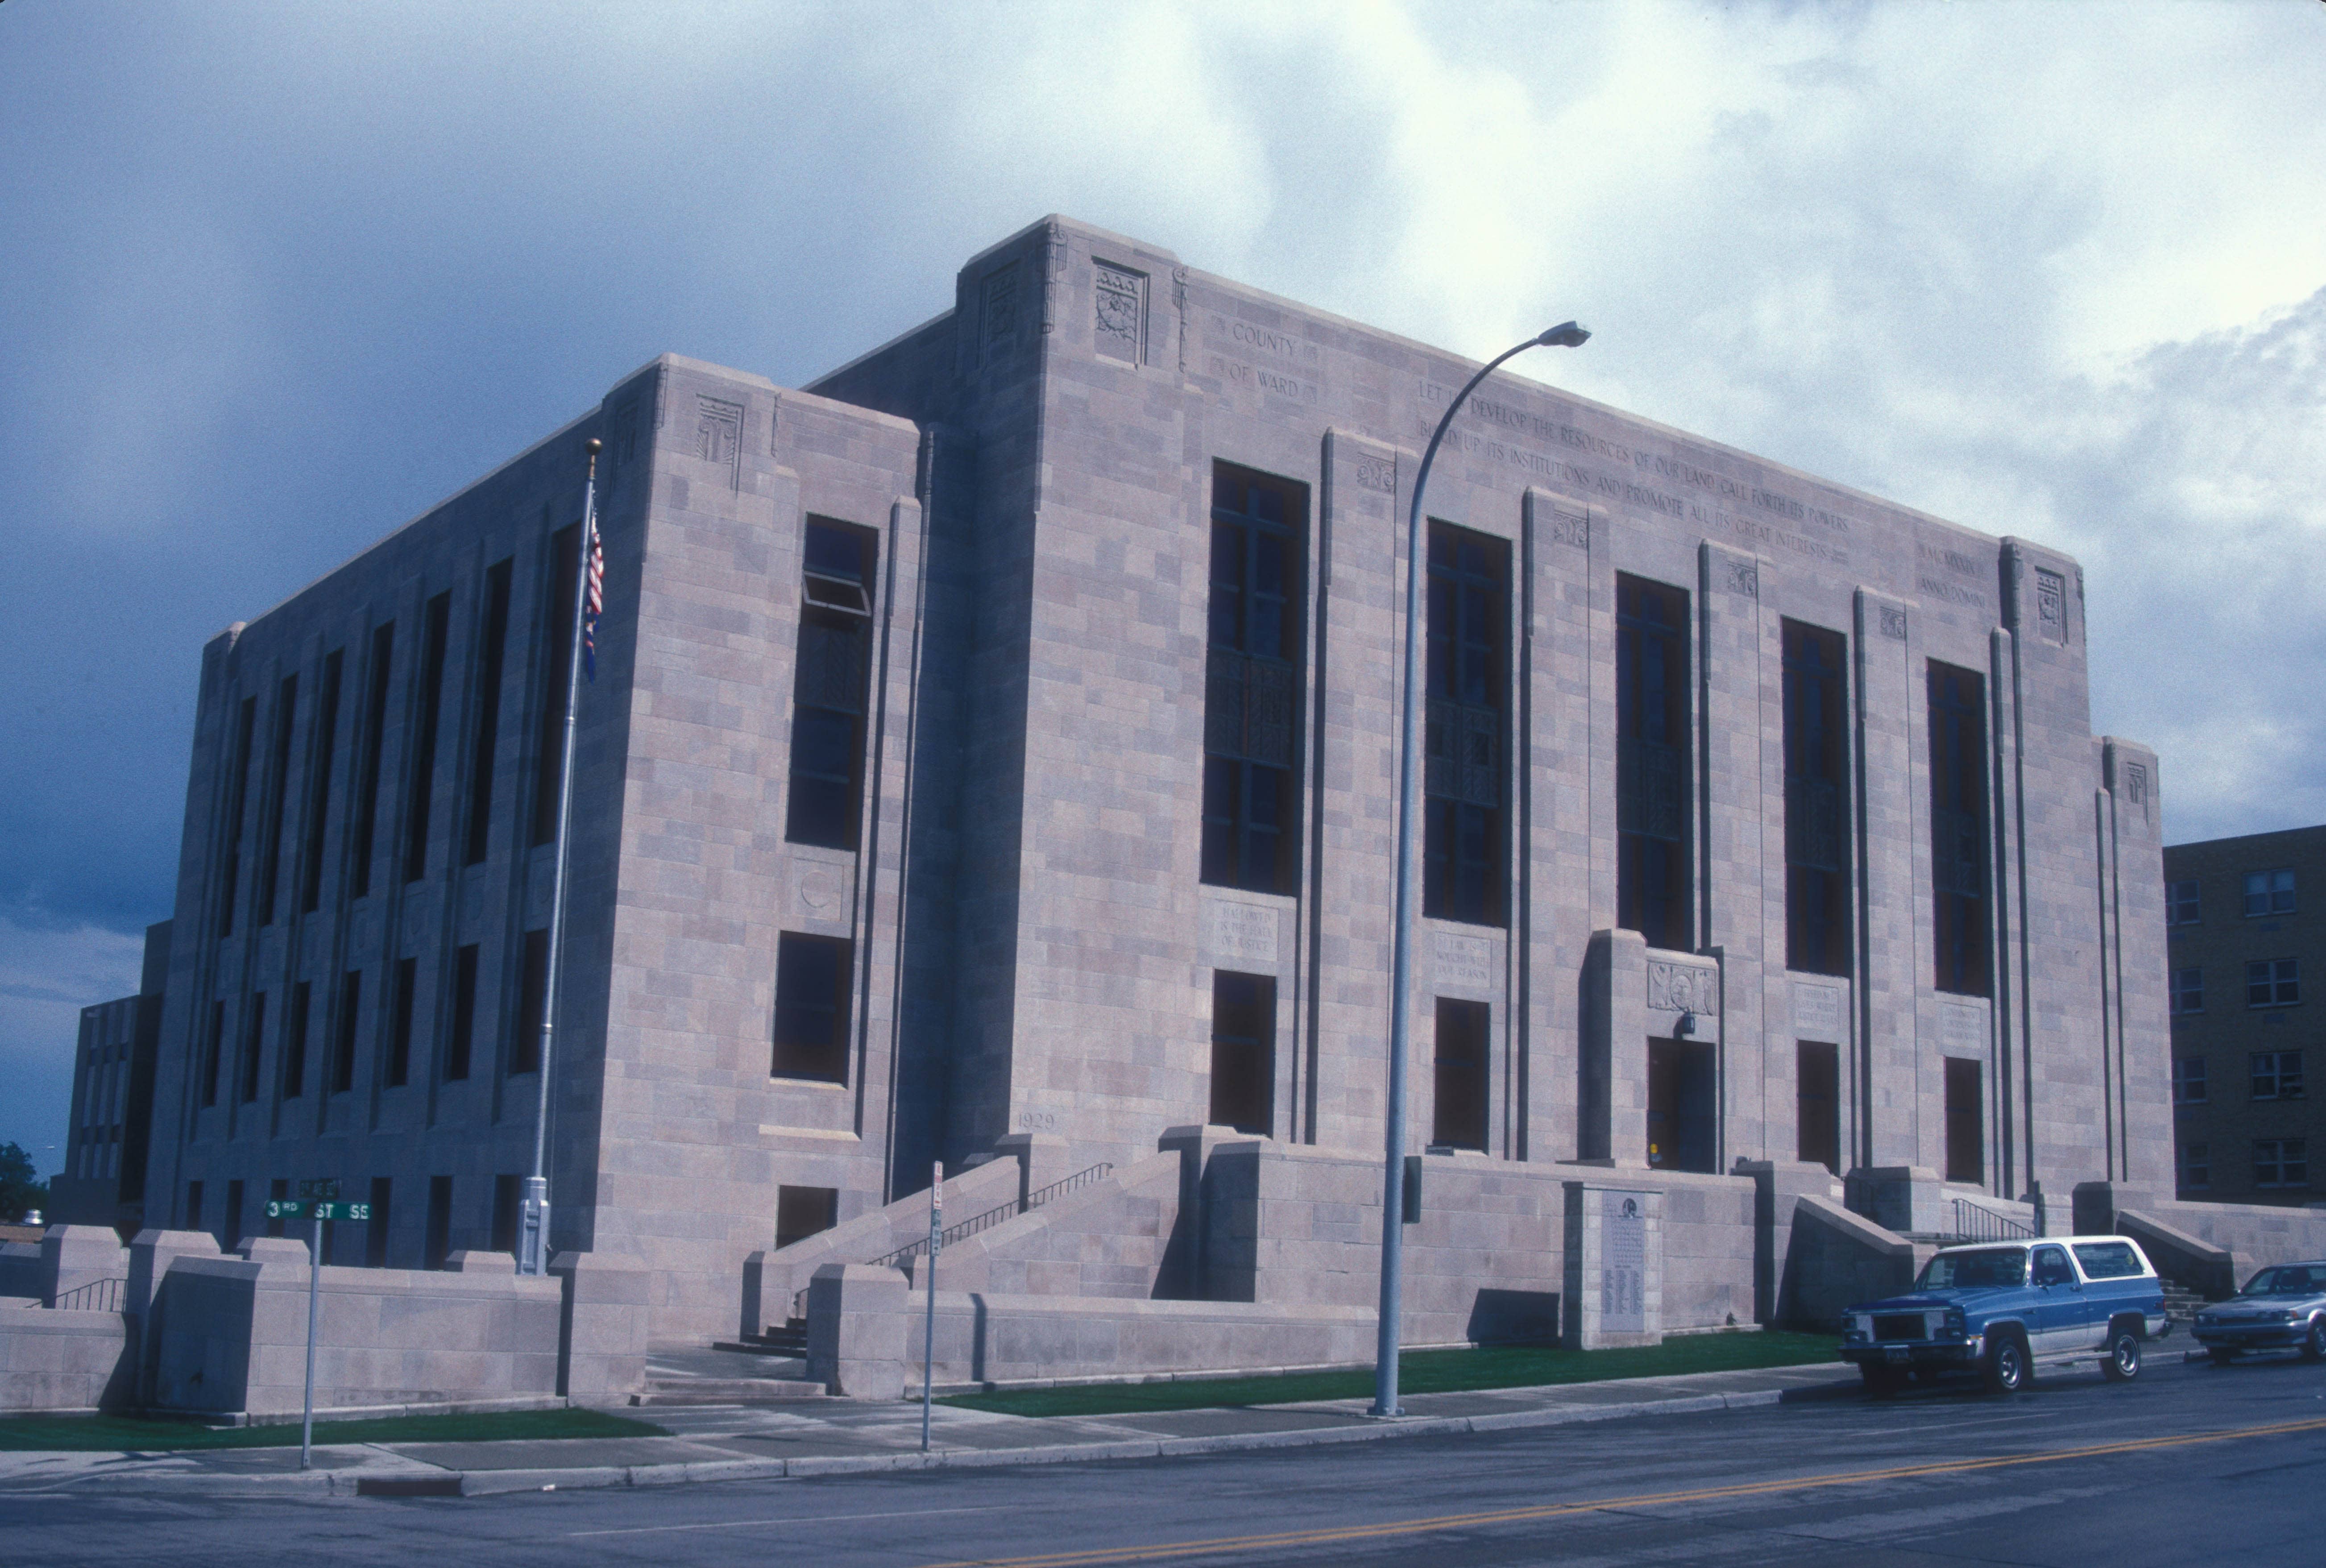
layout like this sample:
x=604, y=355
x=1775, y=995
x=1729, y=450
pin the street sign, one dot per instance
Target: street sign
x=300, y=1209
x=324, y=1187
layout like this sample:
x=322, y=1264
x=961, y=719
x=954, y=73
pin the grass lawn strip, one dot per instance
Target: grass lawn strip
x=122, y=1433
x=1423, y=1372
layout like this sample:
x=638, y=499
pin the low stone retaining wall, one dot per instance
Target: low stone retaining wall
x=1837, y=1258
x=63, y=1360
x=866, y=1328
x=2211, y=1247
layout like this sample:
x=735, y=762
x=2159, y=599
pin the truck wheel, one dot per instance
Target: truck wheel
x=2005, y=1367
x=2313, y=1343
x=2121, y=1364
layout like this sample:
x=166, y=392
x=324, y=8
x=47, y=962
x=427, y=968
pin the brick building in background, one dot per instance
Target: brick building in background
x=2243, y=920
x=996, y=739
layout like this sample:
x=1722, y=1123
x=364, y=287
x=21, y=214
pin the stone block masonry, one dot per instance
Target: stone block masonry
x=970, y=723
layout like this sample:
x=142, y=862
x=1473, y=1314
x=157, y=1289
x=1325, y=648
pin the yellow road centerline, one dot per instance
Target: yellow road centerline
x=1221, y=1546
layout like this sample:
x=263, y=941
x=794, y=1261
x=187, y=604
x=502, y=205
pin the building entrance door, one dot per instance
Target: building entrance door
x=1681, y=1078
x=1817, y=1104
x=1966, y=1140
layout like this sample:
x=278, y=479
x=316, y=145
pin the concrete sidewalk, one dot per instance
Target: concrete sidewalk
x=840, y=1437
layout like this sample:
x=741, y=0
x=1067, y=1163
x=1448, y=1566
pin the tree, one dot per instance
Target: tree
x=20, y=1187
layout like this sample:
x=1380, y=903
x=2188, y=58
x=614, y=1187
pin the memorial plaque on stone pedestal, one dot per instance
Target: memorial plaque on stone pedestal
x=1623, y=1263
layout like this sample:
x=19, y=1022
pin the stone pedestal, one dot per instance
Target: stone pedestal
x=1778, y=1186
x=150, y=1257
x=856, y=1322
x=1614, y=1266
x=601, y=1339
x=1041, y=1160
x=74, y=1256
x=1906, y=1199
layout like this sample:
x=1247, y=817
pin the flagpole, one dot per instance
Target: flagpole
x=533, y=1223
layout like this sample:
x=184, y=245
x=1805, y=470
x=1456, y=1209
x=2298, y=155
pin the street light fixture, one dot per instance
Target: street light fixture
x=1566, y=335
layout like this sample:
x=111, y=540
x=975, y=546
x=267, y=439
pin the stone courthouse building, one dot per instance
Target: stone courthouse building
x=994, y=740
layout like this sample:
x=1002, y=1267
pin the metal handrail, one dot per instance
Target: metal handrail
x=1977, y=1222
x=96, y=1296
x=995, y=1216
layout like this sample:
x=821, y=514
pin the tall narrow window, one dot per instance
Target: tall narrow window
x=278, y=794
x=557, y=613
x=532, y=995
x=1966, y=1122
x=811, y=1007
x=437, y=1244
x=254, y=1044
x=508, y=1193
x=828, y=681
x=213, y=1046
x=1959, y=853
x=1251, y=689
x=1244, y=1051
x=236, y=794
x=231, y=1236
x=294, y=1041
x=1817, y=1104
x=804, y=1212
x=319, y=781
x=399, y=1022
x=343, y=1044
x=1817, y=812
x=1458, y=1118
x=376, y=1234
x=434, y=628
x=464, y=1014
x=1652, y=763
x=276, y=1189
x=375, y=737
x=1465, y=841
x=489, y=711
x=193, y=1206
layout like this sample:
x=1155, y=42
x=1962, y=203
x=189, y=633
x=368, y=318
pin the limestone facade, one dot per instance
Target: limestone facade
x=1109, y=548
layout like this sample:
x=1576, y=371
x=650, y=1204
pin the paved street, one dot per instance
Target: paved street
x=2191, y=1464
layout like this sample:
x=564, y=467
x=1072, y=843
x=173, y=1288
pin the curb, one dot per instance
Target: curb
x=491, y=1482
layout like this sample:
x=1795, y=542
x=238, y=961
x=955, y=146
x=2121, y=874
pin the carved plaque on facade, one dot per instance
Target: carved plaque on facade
x=718, y=433
x=1745, y=578
x=2052, y=605
x=1817, y=1012
x=1571, y=528
x=1893, y=623
x=1623, y=1263
x=1121, y=307
x=1001, y=303
x=1377, y=473
x=1464, y=962
x=1238, y=933
x=820, y=890
x=2135, y=786
x=1682, y=988
x=1962, y=1029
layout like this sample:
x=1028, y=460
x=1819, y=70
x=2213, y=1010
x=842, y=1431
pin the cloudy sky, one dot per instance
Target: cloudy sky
x=274, y=279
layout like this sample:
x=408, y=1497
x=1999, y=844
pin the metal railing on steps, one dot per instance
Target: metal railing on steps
x=96, y=1296
x=1977, y=1222
x=996, y=1216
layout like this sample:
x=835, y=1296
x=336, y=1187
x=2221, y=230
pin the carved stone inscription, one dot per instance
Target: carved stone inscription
x=1569, y=528
x=1243, y=933
x=1623, y=1263
x=1682, y=988
x=1817, y=1012
x=718, y=433
x=1001, y=303
x=1464, y=962
x=1745, y=578
x=1377, y=473
x=1893, y=621
x=2135, y=786
x=1962, y=1029
x=2051, y=605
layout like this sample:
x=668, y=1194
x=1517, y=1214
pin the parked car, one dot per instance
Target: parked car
x=2281, y=1309
x=2005, y=1309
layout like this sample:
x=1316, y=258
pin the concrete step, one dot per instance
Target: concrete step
x=727, y=1391
x=776, y=1346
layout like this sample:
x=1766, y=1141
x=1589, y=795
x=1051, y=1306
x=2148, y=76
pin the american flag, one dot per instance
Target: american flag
x=593, y=598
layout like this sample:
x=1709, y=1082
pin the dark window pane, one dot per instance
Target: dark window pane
x=811, y=1032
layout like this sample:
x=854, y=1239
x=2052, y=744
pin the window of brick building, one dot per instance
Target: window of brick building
x=2188, y=990
x=812, y=977
x=2180, y=907
x=1244, y=1051
x=2269, y=892
x=2277, y=1075
x=1465, y=834
x=2281, y=1162
x=2188, y=1080
x=1652, y=763
x=2196, y=1166
x=830, y=679
x=1817, y=801
x=1958, y=837
x=2273, y=982
x=1251, y=681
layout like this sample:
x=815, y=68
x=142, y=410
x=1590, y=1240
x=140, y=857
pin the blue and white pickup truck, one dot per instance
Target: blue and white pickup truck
x=2004, y=1309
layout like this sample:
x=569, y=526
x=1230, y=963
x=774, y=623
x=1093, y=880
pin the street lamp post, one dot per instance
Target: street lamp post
x=1566, y=335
